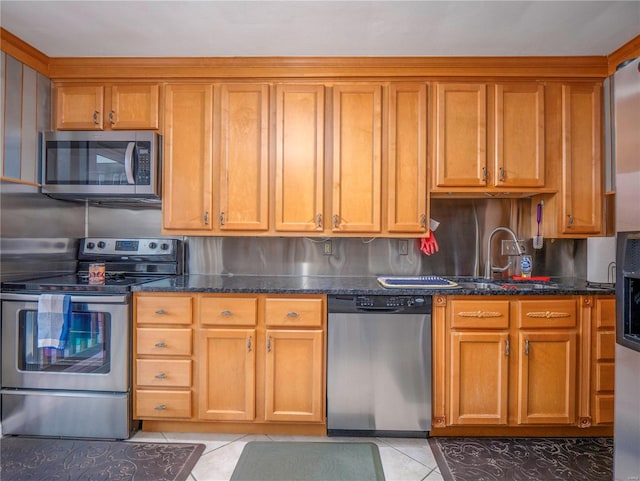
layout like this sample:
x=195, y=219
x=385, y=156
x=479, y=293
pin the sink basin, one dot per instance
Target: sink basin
x=506, y=286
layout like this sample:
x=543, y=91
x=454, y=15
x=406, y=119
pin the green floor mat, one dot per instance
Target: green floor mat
x=289, y=461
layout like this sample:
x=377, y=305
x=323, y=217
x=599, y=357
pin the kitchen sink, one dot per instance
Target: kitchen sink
x=505, y=286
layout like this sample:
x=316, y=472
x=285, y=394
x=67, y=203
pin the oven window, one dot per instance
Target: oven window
x=87, y=349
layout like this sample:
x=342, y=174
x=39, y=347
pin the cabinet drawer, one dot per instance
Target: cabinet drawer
x=235, y=311
x=163, y=342
x=606, y=313
x=605, y=376
x=605, y=345
x=479, y=314
x=163, y=309
x=604, y=409
x=152, y=372
x=546, y=313
x=163, y=404
x=293, y=312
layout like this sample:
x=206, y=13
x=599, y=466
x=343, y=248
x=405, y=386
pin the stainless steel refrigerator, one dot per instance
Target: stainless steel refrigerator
x=626, y=89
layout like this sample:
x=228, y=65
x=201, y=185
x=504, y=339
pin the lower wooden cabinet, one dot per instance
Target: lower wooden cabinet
x=163, y=350
x=603, y=344
x=244, y=358
x=522, y=362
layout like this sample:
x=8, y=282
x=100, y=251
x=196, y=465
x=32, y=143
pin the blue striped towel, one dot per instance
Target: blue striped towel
x=54, y=317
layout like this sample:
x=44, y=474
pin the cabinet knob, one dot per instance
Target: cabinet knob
x=161, y=345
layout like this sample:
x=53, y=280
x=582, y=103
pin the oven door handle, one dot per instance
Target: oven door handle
x=106, y=299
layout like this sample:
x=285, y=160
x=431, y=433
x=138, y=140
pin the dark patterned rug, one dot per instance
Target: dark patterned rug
x=524, y=459
x=33, y=459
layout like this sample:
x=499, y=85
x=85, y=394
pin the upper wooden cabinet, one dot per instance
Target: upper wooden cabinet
x=299, y=180
x=357, y=158
x=244, y=157
x=581, y=159
x=188, y=180
x=107, y=106
x=488, y=137
x=406, y=196
x=460, y=140
x=519, y=136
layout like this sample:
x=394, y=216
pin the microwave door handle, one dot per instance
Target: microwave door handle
x=128, y=162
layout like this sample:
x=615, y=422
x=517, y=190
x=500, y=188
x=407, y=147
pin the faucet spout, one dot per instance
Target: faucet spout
x=488, y=267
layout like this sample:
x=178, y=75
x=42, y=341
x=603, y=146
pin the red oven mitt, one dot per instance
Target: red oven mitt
x=429, y=245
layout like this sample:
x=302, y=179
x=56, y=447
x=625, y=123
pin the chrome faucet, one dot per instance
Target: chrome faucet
x=488, y=267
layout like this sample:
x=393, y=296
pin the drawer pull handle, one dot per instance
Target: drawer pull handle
x=249, y=344
x=480, y=314
x=160, y=407
x=112, y=120
x=507, y=348
x=161, y=376
x=227, y=313
x=161, y=312
x=161, y=345
x=269, y=344
x=95, y=117
x=292, y=314
x=526, y=347
x=547, y=314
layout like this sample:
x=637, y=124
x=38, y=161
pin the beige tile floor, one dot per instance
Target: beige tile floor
x=403, y=459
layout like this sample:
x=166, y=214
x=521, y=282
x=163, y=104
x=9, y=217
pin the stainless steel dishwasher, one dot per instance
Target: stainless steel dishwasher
x=379, y=366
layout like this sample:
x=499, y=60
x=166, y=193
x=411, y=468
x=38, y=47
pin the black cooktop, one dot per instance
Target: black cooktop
x=115, y=283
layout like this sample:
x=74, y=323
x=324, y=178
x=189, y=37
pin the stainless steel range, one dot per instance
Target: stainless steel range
x=81, y=385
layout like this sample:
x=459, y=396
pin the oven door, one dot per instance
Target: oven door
x=96, y=356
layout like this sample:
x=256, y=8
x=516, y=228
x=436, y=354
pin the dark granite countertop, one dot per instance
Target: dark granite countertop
x=229, y=283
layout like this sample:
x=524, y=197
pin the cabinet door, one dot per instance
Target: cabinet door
x=547, y=377
x=461, y=135
x=357, y=158
x=187, y=192
x=226, y=360
x=134, y=106
x=244, y=157
x=299, y=196
x=479, y=378
x=582, y=159
x=294, y=382
x=519, y=135
x=79, y=107
x=407, y=160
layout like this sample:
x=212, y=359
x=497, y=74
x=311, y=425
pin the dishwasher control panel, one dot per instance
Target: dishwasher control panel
x=399, y=304
x=389, y=301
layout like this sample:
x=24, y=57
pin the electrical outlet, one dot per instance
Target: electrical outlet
x=509, y=248
x=403, y=247
x=327, y=248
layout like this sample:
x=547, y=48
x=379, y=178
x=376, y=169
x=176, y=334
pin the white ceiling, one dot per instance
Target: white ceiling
x=151, y=28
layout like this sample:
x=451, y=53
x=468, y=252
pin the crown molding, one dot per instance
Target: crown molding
x=25, y=53
x=326, y=67
x=629, y=50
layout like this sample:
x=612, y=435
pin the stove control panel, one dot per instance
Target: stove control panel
x=122, y=248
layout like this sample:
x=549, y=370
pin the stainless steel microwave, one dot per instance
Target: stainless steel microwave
x=94, y=165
